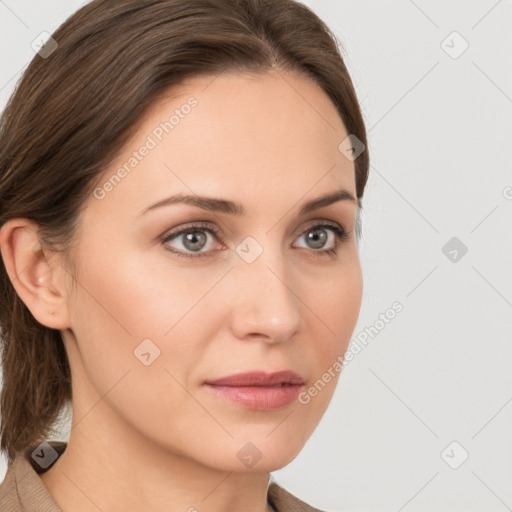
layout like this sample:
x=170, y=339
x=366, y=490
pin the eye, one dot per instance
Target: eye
x=194, y=239
x=317, y=236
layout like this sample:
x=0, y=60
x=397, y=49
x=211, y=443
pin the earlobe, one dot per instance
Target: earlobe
x=31, y=274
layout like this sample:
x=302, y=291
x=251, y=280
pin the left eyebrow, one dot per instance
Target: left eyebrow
x=320, y=202
x=234, y=208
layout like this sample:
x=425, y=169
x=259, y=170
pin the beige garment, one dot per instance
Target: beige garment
x=22, y=490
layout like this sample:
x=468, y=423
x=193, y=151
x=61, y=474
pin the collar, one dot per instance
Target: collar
x=33, y=496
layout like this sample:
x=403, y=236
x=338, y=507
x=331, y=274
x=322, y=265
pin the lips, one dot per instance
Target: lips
x=259, y=391
x=259, y=378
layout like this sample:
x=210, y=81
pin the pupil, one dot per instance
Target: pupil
x=193, y=237
x=318, y=237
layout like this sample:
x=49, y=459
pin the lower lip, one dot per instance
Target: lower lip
x=259, y=398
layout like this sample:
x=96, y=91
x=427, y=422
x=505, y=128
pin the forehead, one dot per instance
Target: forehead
x=246, y=136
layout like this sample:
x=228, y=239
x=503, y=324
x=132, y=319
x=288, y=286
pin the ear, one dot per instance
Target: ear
x=38, y=284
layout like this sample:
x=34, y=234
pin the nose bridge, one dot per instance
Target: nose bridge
x=266, y=301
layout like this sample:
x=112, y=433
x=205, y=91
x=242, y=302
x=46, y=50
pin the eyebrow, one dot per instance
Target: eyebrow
x=234, y=208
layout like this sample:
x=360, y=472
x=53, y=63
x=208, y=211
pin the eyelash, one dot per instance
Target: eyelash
x=340, y=233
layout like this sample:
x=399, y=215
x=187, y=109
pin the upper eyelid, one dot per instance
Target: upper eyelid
x=210, y=226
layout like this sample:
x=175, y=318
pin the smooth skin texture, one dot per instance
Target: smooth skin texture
x=149, y=437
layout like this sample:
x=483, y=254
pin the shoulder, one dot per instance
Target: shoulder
x=9, y=498
x=22, y=490
x=284, y=501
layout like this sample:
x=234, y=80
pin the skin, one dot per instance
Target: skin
x=143, y=437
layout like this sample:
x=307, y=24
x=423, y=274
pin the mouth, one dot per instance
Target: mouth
x=259, y=391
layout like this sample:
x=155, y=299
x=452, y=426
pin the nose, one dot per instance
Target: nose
x=264, y=304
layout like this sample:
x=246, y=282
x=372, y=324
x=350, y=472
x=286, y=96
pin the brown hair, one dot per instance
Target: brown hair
x=74, y=109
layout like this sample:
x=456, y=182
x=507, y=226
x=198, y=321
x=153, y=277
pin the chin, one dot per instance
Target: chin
x=257, y=453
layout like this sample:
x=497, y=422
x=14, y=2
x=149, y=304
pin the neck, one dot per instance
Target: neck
x=120, y=470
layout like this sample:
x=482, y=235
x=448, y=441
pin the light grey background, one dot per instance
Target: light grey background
x=440, y=132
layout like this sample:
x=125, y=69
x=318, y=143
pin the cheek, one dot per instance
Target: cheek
x=134, y=296
x=117, y=308
x=337, y=305
x=128, y=299
x=333, y=310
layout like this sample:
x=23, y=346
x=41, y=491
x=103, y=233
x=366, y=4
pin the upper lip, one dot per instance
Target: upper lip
x=259, y=378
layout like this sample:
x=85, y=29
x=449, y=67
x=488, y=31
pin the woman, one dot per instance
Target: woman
x=141, y=129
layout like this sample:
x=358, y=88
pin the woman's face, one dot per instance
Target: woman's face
x=252, y=291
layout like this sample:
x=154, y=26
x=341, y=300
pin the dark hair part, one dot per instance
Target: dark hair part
x=75, y=109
